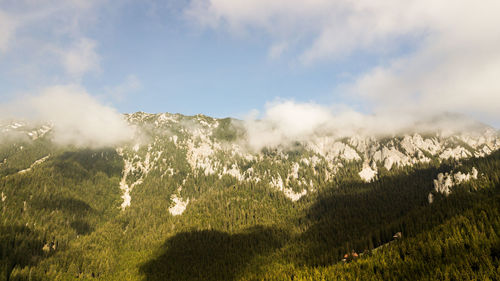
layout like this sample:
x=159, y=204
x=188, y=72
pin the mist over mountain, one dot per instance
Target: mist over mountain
x=211, y=146
x=76, y=118
x=297, y=193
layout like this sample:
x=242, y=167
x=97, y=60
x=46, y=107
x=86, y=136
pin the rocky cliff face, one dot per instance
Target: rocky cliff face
x=177, y=148
x=217, y=147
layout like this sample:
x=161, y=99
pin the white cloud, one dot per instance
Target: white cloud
x=453, y=64
x=447, y=73
x=51, y=31
x=120, y=91
x=78, y=118
x=80, y=58
x=285, y=122
x=332, y=28
x=7, y=29
x=277, y=50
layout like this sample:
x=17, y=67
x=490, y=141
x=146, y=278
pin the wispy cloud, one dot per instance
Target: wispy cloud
x=277, y=50
x=81, y=57
x=50, y=41
x=129, y=85
x=7, y=29
x=37, y=30
x=452, y=64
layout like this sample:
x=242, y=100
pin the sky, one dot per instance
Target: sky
x=237, y=57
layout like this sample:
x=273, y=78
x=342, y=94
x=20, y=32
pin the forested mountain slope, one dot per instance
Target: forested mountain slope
x=190, y=198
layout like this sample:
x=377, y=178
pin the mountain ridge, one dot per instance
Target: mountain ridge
x=219, y=147
x=190, y=198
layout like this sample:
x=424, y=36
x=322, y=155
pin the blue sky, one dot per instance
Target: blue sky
x=227, y=58
x=184, y=68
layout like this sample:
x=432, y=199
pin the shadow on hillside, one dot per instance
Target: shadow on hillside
x=81, y=227
x=20, y=246
x=65, y=204
x=76, y=208
x=210, y=254
x=353, y=216
x=341, y=221
x=86, y=162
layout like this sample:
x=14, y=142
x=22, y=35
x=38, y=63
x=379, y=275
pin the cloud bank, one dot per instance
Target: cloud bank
x=433, y=55
x=78, y=118
x=285, y=122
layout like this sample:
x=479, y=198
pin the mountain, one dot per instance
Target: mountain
x=192, y=198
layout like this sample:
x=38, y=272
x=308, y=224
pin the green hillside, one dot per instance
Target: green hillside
x=280, y=213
